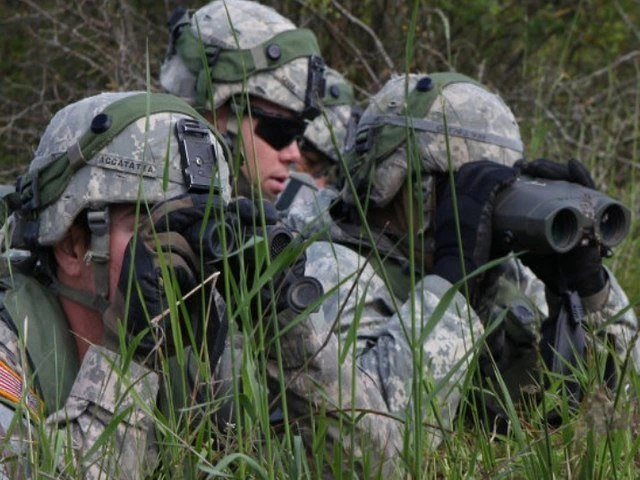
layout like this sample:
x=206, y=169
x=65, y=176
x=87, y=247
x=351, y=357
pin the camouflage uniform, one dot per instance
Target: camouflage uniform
x=104, y=387
x=359, y=301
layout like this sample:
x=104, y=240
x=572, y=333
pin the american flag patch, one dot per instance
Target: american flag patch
x=12, y=389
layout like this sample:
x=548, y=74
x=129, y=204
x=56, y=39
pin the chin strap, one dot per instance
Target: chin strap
x=98, y=254
x=83, y=297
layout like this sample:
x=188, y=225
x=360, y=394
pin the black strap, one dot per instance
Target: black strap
x=563, y=348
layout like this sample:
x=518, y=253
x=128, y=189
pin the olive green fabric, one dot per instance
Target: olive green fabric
x=235, y=65
x=40, y=321
x=50, y=181
x=345, y=95
x=390, y=137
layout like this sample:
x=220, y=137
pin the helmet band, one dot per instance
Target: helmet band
x=40, y=188
x=425, y=125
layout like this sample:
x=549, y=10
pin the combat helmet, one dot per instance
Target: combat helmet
x=113, y=148
x=335, y=118
x=424, y=118
x=249, y=49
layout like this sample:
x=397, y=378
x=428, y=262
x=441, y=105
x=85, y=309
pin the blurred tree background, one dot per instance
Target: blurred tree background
x=569, y=69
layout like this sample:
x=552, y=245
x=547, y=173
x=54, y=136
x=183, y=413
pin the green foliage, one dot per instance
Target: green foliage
x=572, y=75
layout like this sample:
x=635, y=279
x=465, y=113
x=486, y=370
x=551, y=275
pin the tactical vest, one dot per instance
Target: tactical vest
x=35, y=314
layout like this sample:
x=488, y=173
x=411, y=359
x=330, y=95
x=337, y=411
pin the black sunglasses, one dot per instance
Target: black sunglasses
x=276, y=130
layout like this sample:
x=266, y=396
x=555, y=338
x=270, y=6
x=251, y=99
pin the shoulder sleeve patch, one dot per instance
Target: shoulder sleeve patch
x=12, y=389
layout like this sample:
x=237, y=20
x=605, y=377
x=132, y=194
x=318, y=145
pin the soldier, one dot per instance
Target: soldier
x=324, y=138
x=82, y=212
x=108, y=209
x=263, y=80
x=389, y=274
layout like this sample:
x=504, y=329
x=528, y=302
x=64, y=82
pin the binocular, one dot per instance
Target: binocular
x=547, y=216
x=226, y=237
x=220, y=237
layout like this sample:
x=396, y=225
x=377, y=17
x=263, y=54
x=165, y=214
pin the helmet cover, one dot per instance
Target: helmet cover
x=131, y=167
x=478, y=125
x=250, y=49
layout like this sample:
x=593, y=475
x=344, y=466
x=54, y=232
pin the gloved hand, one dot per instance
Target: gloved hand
x=579, y=269
x=159, y=244
x=476, y=184
x=573, y=171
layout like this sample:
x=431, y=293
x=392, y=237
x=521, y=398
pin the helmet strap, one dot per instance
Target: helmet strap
x=91, y=300
x=98, y=252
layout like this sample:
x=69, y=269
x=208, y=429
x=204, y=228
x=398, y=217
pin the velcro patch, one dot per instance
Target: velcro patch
x=12, y=389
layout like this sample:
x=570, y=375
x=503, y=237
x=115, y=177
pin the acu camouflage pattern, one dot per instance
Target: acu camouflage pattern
x=358, y=299
x=377, y=376
x=334, y=117
x=383, y=354
x=130, y=168
x=464, y=104
x=242, y=24
x=103, y=389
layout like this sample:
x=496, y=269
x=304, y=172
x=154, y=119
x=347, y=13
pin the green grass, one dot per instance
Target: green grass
x=564, y=112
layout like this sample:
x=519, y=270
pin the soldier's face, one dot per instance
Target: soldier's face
x=266, y=166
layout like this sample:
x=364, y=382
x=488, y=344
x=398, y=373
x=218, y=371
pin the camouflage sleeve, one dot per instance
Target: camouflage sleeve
x=358, y=418
x=376, y=376
x=101, y=394
x=106, y=391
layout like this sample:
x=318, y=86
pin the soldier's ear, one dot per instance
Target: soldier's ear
x=70, y=252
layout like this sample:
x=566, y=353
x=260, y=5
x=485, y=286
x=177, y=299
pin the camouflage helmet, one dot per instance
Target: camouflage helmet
x=478, y=125
x=336, y=110
x=249, y=49
x=110, y=148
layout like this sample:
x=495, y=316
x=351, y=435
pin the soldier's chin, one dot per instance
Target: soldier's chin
x=273, y=186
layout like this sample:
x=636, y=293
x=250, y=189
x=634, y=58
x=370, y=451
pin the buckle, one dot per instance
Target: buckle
x=315, y=87
x=364, y=141
x=33, y=185
x=197, y=154
x=98, y=221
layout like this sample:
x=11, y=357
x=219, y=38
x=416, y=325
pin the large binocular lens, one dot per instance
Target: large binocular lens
x=217, y=237
x=612, y=224
x=564, y=230
x=546, y=216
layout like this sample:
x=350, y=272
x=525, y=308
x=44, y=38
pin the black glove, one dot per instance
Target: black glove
x=579, y=269
x=476, y=184
x=573, y=171
x=159, y=242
